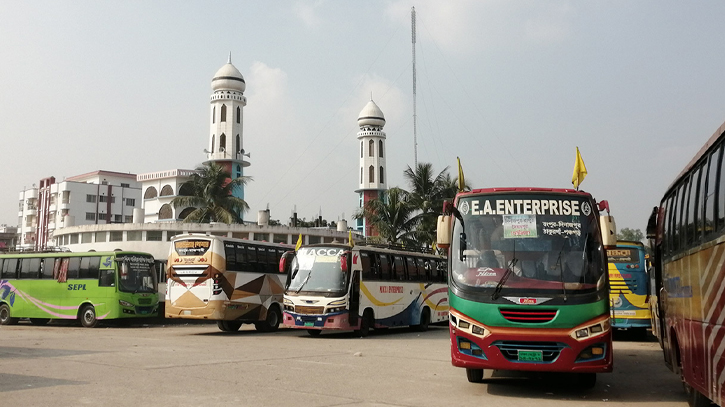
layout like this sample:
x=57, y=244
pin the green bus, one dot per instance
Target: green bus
x=88, y=287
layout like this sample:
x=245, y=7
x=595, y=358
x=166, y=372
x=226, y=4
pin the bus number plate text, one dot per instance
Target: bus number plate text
x=531, y=356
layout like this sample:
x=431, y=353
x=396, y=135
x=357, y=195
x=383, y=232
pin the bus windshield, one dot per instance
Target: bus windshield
x=136, y=273
x=317, y=269
x=522, y=244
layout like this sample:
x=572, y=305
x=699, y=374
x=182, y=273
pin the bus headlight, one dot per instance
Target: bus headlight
x=592, y=330
x=468, y=326
x=335, y=309
x=125, y=303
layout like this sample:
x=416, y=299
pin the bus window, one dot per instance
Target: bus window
x=89, y=267
x=30, y=268
x=412, y=268
x=399, y=268
x=242, y=257
x=10, y=267
x=252, y=258
x=107, y=278
x=230, y=254
x=385, y=269
x=47, y=268
x=74, y=265
x=368, y=273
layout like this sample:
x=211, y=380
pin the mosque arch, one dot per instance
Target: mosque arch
x=222, y=143
x=186, y=212
x=371, y=174
x=186, y=190
x=371, y=148
x=150, y=193
x=223, y=114
x=165, y=212
x=382, y=175
x=167, y=190
x=380, y=148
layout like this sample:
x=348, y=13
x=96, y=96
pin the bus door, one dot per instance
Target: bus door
x=354, y=294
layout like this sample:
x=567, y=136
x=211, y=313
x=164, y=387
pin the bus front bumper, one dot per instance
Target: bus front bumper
x=531, y=349
x=339, y=321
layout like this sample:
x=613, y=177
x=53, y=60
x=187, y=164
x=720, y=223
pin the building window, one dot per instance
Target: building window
x=125, y=185
x=238, y=146
x=153, y=235
x=150, y=193
x=222, y=143
x=90, y=216
x=167, y=190
x=380, y=148
x=130, y=202
x=128, y=219
x=239, y=114
x=361, y=180
x=74, y=239
x=212, y=144
x=87, y=237
x=117, y=218
x=100, y=237
x=91, y=198
x=102, y=216
x=166, y=212
x=102, y=198
x=133, y=235
x=382, y=175
x=172, y=233
x=224, y=113
x=371, y=148
x=361, y=151
x=213, y=114
x=371, y=174
x=116, y=236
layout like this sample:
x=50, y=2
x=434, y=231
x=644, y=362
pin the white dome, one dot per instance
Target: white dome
x=371, y=115
x=228, y=77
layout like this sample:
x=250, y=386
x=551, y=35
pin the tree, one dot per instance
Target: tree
x=634, y=235
x=392, y=216
x=210, y=193
x=427, y=193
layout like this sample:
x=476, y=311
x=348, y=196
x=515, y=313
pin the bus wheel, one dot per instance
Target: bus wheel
x=88, y=317
x=314, y=332
x=5, y=318
x=229, y=326
x=39, y=321
x=586, y=380
x=474, y=375
x=697, y=399
x=270, y=324
x=366, y=323
x=424, y=320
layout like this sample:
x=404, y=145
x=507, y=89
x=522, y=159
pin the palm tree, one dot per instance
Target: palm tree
x=210, y=192
x=428, y=191
x=392, y=216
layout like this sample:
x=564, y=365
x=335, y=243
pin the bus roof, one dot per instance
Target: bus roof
x=704, y=150
x=629, y=243
x=523, y=189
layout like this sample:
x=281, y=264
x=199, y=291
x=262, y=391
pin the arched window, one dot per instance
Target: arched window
x=239, y=114
x=212, y=143
x=361, y=181
x=186, y=212
x=224, y=113
x=382, y=175
x=186, y=189
x=239, y=145
x=371, y=148
x=222, y=143
x=371, y=174
x=380, y=149
x=165, y=212
x=167, y=190
x=213, y=114
x=361, y=151
x=239, y=171
x=150, y=193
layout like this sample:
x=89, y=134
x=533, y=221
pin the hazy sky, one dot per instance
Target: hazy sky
x=510, y=87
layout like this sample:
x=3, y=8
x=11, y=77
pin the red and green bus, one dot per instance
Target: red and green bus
x=688, y=274
x=87, y=287
x=528, y=281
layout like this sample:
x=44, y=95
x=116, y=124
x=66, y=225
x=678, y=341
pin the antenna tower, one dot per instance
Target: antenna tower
x=415, y=117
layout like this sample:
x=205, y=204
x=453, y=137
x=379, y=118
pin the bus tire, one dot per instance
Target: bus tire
x=88, y=316
x=5, y=318
x=474, y=375
x=229, y=326
x=586, y=380
x=314, y=332
x=39, y=321
x=366, y=323
x=424, y=320
x=270, y=324
x=697, y=399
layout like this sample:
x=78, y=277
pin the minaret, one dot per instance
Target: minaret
x=226, y=136
x=372, y=174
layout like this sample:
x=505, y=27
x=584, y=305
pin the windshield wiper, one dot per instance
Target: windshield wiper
x=304, y=282
x=561, y=269
x=506, y=274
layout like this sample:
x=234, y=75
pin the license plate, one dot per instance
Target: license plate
x=186, y=312
x=531, y=356
x=309, y=324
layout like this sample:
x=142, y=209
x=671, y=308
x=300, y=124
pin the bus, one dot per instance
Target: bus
x=336, y=287
x=88, y=287
x=230, y=281
x=528, y=281
x=687, y=229
x=629, y=287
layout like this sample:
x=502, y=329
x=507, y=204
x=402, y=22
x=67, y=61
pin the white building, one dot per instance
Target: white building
x=373, y=171
x=159, y=189
x=99, y=197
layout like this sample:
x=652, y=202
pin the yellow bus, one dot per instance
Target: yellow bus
x=231, y=281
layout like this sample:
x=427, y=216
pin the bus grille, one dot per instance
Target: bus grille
x=625, y=286
x=144, y=300
x=510, y=349
x=304, y=309
x=528, y=316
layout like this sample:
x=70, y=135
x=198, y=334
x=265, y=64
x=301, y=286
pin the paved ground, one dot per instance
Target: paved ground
x=197, y=365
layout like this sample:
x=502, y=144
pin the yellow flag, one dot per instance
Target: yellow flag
x=299, y=242
x=434, y=247
x=461, y=180
x=349, y=239
x=580, y=171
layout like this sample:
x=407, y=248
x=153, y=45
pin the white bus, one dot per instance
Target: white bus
x=231, y=281
x=338, y=287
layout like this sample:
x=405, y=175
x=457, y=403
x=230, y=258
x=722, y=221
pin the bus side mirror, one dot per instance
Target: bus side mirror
x=652, y=223
x=609, y=231
x=344, y=261
x=285, y=261
x=443, y=231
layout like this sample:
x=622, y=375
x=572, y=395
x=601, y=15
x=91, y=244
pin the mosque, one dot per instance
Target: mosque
x=106, y=210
